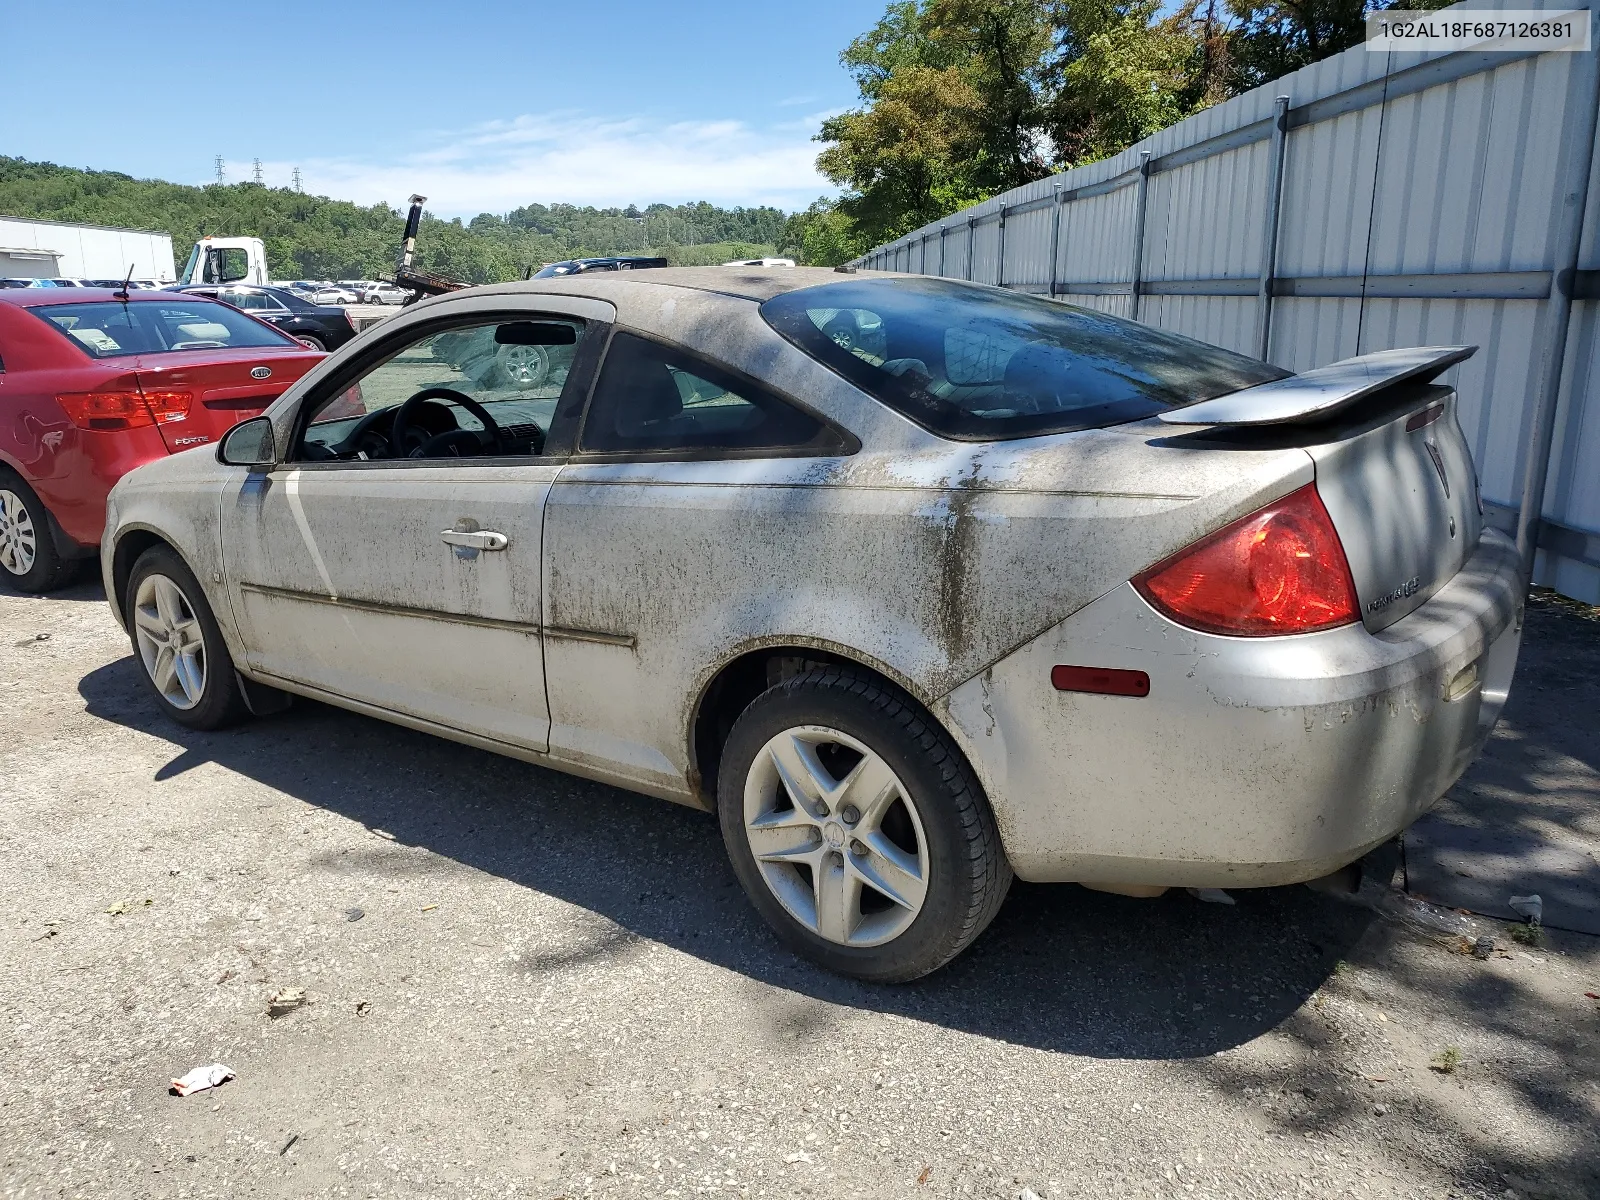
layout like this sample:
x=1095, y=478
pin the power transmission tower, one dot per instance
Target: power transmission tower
x=258, y=171
x=297, y=185
x=221, y=177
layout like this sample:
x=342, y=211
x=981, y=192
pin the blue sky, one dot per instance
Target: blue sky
x=481, y=106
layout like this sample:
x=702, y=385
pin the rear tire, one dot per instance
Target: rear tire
x=29, y=560
x=311, y=340
x=175, y=637
x=889, y=863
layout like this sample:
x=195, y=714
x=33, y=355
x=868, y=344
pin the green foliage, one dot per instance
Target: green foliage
x=823, y=236
x=961, y=99
x=313, y=237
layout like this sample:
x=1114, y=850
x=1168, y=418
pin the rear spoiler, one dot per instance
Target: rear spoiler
x=1316, y=394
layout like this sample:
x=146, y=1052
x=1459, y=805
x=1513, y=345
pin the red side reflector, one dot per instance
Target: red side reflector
x=1426, y=417
x=1107, y=681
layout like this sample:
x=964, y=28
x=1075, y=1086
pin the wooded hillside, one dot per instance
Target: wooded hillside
x=313, y=237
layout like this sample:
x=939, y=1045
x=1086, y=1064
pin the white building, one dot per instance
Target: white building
x=55, y=249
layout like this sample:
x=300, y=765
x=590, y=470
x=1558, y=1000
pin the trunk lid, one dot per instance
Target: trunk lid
x=223, y=386
x=1403, y=494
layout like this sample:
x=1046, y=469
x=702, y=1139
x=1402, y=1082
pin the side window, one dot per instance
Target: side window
x=439, y=387
x=650, y=397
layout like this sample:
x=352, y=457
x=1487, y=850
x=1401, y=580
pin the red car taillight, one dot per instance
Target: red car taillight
x=1279, y=570
x=124, y=408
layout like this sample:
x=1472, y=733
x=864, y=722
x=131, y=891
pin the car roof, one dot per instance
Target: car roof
x=33, y=297
x=747, y=283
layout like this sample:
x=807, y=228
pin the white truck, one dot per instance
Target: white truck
x=225, y=260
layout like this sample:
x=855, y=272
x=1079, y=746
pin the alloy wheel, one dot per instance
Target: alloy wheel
x=19, y=544
x=836, y=836
x=170, y=640
x=525, y=366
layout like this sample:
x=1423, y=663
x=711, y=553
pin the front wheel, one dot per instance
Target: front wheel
x=177, y=642
x=857, y=828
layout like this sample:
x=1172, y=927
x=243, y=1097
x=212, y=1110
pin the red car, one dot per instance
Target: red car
x=93, y=383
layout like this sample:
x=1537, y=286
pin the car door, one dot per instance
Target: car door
x=410, y=584
x=684, y=506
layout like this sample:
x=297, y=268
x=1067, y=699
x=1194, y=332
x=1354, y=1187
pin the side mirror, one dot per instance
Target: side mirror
x=249, y=444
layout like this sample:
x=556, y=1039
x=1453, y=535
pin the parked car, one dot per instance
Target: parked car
x=319, y=292
x=384, y=293
x=577, y=266
x=328, y=293
x=92, y=385
x=322, y=327
x=918, y=584
x=760, y=262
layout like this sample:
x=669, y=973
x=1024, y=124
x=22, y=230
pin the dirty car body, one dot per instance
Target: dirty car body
x=619, y=576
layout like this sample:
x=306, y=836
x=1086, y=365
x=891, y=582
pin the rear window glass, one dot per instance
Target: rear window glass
x=982, y=364
x=113, y=329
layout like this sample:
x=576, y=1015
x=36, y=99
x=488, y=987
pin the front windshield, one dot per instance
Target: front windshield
x=114, y=329
x=518, y=385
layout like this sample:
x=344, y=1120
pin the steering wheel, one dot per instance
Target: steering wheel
x=455, y=440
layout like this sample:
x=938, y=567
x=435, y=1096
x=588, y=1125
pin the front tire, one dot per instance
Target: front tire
x=856, y=827
x=175, y=637
x=29, y=560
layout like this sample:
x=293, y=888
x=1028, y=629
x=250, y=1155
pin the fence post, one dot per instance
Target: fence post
x=941, y=251
x=1138, y=231
x=969, y=248
x=1055, y=236
x=1269, y=237
x=1569, y=235
x=1000, y=252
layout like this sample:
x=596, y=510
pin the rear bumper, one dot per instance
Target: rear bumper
x=1253, y=761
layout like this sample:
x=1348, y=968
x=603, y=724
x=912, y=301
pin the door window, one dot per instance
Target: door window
x=439, y=388
x=654, y=398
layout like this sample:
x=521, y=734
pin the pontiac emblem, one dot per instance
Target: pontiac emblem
x=260, y=372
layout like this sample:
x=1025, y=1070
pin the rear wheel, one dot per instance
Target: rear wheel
x=29, y=560
x=311, y=340
x=177, y=641
x=857, y=827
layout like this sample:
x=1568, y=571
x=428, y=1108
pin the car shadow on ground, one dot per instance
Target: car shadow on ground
x=1061, y=968
x=85, y=585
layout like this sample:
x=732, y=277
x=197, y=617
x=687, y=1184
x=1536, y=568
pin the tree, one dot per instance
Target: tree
x=950, y=115
x=1121, y=73
x=823, y=235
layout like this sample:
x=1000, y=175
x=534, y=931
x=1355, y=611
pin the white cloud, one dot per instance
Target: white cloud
x=576, y=158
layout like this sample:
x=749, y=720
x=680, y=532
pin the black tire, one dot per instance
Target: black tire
x=220, y=702
x=312, y=340
x=968, y=875
x=47, y=569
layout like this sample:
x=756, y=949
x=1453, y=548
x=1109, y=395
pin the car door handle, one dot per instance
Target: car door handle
x=481, y=539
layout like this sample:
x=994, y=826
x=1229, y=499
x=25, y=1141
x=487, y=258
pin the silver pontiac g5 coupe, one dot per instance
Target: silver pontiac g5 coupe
x=916, y=584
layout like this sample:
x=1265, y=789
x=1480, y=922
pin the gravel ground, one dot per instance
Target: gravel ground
x=524, y=984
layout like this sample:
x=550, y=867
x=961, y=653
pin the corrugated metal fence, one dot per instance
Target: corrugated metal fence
x=1369, y=201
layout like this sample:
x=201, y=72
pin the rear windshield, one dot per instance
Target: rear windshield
x=111, y=329
x=982, y=364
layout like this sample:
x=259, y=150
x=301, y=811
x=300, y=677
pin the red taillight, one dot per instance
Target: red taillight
x=1279, y=570
x=106, y=410
x=123, y=408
